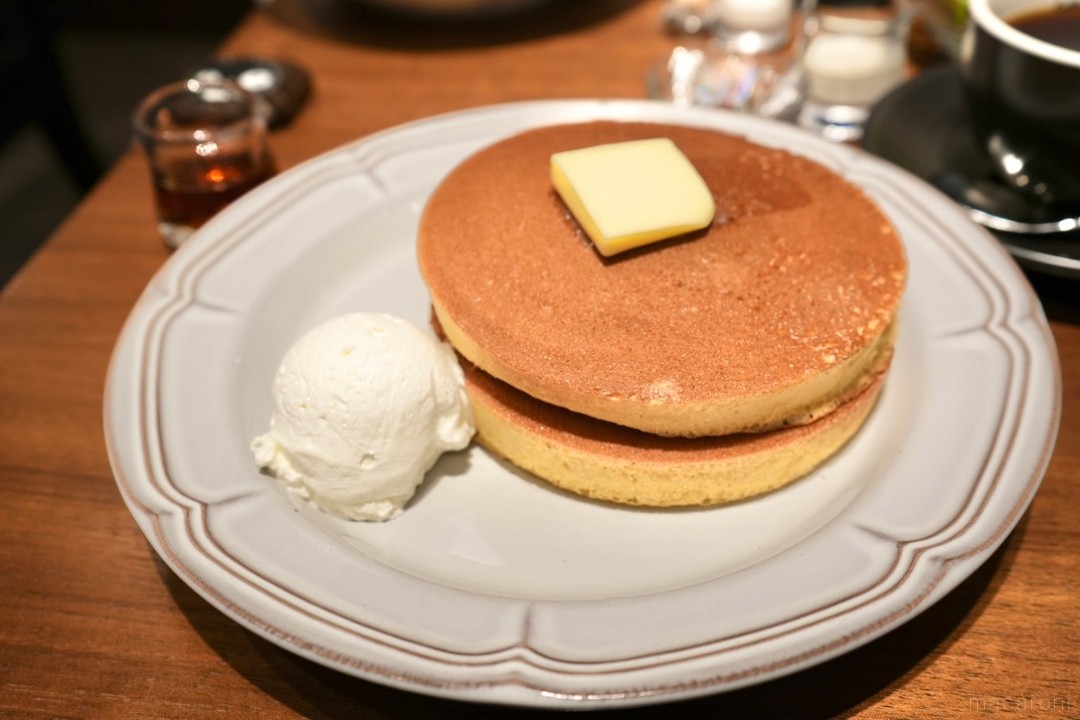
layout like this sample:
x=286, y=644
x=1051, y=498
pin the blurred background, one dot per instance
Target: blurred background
x=74, y=70
x=101, y=56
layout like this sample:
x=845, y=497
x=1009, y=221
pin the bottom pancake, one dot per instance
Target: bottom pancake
x=604, y=461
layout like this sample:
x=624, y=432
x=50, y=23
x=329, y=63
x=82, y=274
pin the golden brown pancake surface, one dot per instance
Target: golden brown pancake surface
x=605, y=461
x=772, y=316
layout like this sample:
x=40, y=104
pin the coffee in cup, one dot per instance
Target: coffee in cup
x=1021, y=65
x=1057, y=25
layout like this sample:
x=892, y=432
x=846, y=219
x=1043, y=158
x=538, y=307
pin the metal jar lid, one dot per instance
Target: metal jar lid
x=284, y=86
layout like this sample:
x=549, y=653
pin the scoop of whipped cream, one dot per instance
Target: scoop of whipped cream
x=364, y=405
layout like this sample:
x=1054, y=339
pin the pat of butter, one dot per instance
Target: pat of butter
x=629, y=194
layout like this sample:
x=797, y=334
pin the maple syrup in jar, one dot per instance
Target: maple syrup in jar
x=206, y=145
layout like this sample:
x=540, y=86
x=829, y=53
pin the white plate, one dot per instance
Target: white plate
x=494, y=587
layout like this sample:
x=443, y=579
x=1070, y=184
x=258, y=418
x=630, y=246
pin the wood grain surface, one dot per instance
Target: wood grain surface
x=92, y=624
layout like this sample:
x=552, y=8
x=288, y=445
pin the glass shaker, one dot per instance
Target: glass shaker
x=854, y=52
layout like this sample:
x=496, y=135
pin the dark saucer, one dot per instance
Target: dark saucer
x=923, y=127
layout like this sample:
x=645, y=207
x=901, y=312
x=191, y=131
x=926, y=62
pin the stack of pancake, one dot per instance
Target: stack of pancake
x=702, y=369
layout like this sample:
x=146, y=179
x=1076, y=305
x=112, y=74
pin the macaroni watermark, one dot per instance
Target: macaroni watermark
x=991, y=704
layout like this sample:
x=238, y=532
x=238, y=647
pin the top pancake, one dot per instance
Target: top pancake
x=769, y=317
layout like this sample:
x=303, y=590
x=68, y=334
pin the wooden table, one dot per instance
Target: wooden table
x=92, y=624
